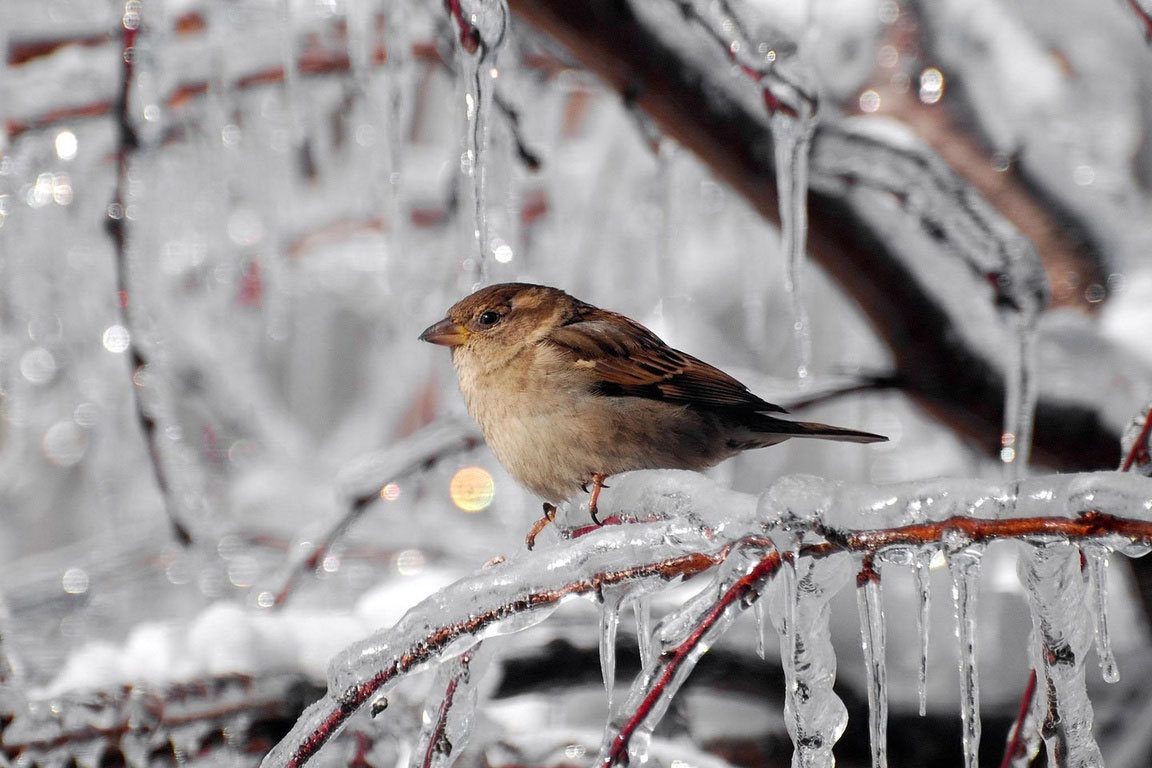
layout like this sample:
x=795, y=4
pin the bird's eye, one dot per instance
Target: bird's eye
x=488, y=318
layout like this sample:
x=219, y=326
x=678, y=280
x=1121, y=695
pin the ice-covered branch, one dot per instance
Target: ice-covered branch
x=888, y=242
x=817, y=523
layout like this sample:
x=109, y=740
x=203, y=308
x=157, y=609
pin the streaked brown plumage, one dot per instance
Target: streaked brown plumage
x=567, y=393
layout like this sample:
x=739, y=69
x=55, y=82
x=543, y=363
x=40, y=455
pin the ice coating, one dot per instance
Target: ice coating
x=964, y=565
x=1061, y=637
x=813, y=714
x=882, y=155
x=505, y=598
x=448, y=719
x=872, y=641
x=683, y=637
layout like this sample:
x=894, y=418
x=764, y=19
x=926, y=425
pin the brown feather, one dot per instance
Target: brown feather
x=631, y=361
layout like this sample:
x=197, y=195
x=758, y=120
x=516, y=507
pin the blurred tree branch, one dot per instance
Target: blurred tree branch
x=955, y=378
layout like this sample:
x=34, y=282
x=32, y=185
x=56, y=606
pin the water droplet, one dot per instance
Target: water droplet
x=931, y=85
x=64, y=443
x=116, y=339
x=410, y=562
x=37, y=365
x=66, y=145
x=75, y=581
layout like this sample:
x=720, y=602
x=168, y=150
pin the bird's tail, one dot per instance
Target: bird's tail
x=771, y=424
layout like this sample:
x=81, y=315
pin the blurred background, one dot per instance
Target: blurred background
x=223, y=224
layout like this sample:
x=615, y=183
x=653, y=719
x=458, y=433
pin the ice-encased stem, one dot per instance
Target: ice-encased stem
x=792, y=139
x=872, y=641
x=683, y=637
x=1097, y=559
x=449, y=717
x=923, y=623
x=1061, y=637
x=813, y=714
x=964, y=566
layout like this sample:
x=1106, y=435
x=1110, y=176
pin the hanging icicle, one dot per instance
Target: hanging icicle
x=482, y=27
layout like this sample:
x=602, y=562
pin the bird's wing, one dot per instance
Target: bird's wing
x=630, y=360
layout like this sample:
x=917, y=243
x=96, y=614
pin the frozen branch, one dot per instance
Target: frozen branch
x=706, y=529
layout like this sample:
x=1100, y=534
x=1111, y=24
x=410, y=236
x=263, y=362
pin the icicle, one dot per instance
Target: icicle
x=642, y=606
x=1021, y=391
x=870, y=606
x=964, y=565
x=813, y=714
x=609, y=621
x=923, y=622
x=792, y=138
x=1097, y=558
x=477, y=48
x=1061, y=633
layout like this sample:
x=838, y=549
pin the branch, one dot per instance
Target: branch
x=823, y=518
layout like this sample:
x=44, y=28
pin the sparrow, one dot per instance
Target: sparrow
x=568, y=394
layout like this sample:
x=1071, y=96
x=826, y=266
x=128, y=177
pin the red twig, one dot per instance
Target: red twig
x=438, y=738
x=1140, y=447
x=470, y=39
x=1015, y=744
x=1144, y=17
x=771, y=102
x=675, y=658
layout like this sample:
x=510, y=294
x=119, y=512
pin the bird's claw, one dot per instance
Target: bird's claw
x=541, y=524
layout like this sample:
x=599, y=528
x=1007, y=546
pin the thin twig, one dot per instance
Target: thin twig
x=127, y=143
x=1015, y=743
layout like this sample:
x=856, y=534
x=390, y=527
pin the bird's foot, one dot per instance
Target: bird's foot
x=597, y=485
x=541, y=524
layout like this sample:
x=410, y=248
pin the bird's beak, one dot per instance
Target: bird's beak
x=445, y=333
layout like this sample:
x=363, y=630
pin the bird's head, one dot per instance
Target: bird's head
x=496, y=323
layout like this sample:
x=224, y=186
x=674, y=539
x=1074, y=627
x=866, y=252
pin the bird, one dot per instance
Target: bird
x=568, y=394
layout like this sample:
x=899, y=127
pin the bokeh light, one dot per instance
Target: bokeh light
x=472, y=489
